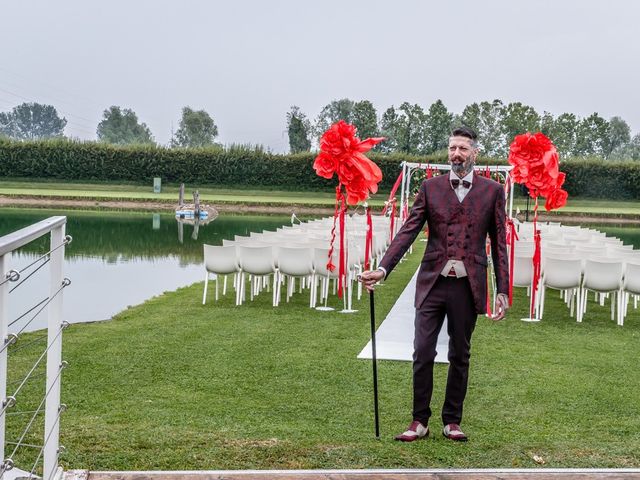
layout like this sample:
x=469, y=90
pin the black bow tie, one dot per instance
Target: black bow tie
x=455, y=183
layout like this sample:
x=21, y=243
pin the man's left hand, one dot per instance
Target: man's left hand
x=502, y=305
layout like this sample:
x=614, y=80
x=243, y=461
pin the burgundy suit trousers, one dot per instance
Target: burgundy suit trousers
x=452, y=297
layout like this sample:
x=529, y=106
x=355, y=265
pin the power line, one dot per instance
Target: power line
x=33, y=100
x=48, y=95
x=82, y=98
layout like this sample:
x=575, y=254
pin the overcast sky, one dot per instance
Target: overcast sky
x=247, y=61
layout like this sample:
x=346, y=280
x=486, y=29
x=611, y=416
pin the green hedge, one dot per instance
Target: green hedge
x=597, y=178
x=90, y=161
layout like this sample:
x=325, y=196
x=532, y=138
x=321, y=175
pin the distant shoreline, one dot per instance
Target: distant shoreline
x=246, y=208
x=152, y=206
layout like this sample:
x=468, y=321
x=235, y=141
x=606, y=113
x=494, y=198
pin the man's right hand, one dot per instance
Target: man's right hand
x=370, y=278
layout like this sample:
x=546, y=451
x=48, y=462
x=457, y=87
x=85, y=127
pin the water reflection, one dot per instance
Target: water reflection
x=118, y=259
x=195, y=222
x=121, y=236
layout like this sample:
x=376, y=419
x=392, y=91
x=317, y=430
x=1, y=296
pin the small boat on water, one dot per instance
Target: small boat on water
x=193, y=214
x=190, y=212
x=195, y=210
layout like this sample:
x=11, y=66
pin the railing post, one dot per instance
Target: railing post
x=512, y=185
x=4, y=299
x=403, y=186
x=54, y=355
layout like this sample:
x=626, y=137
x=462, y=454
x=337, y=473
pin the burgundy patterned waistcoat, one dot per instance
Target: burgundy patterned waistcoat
x=456, y=230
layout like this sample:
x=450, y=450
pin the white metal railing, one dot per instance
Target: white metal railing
x=408, y=168
x=50, y=402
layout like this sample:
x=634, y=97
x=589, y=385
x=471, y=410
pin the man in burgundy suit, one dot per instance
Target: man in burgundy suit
x=460, y=208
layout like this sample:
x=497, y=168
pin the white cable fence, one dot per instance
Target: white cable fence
x=26, y=441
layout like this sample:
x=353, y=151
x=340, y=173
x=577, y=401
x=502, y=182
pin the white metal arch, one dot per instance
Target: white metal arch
x=408, y=168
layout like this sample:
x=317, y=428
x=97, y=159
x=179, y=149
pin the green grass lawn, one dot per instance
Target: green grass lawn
x=172, y=384
x=169, y=193
x=587, y=205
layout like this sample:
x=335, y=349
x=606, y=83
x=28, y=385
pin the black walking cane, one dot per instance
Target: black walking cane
x=374, y=363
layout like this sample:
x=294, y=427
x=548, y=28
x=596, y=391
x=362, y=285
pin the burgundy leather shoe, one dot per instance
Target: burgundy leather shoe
x=453, y=432
x=415, y=431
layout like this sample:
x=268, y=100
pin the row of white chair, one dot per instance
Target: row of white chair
x=564, y=234
x=577, y=272
x=284, y=263
x=292, y=253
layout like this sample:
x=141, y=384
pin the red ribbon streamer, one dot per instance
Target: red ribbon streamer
x=343, y=256
x=368, y=244
x=339, y=214
x=536, y=258
x=488, y=297
x=488, y=251
x=512, y=236
x=330, y=266
x=392, y=194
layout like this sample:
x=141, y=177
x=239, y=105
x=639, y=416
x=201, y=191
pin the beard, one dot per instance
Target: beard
x=462, y=168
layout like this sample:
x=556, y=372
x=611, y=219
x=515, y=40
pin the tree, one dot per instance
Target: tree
x=299, y=129
x=32, y=121
x=518, y=118
x=122, y=127
x=486, y=120
x=404, y=129
x=630, y=151
x=438, y=123
x=547, y=124
x=563, y=133
x=471, y=117
x=365, y=119
x=592, y=136
x=196, y=129
x=619, y=135
x=388, y=130
x=336, y=110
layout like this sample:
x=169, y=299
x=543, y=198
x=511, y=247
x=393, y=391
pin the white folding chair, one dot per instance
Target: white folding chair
x=357, y=250
x=525, y=230
x=561, y=274
x=295, y=262
x=523, y=247
x=320, y=260
x=603, y=275
x=630, y=286
x=557, y=250
x=588, y=249
x=259, y=263
x=220, y=260
x=523, y=270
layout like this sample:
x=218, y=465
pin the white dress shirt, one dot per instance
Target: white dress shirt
x=461, y=192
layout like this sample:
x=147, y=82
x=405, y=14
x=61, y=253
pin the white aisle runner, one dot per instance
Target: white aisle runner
x=394, y=338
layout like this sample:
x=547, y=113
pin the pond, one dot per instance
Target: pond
x=117, y=259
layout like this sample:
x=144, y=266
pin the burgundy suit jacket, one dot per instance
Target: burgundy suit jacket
x=456, y=230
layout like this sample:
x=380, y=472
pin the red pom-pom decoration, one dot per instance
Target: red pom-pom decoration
x=535, y=164
x=341, y=152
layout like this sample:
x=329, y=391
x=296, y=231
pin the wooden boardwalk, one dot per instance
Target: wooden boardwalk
x=426, y=474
